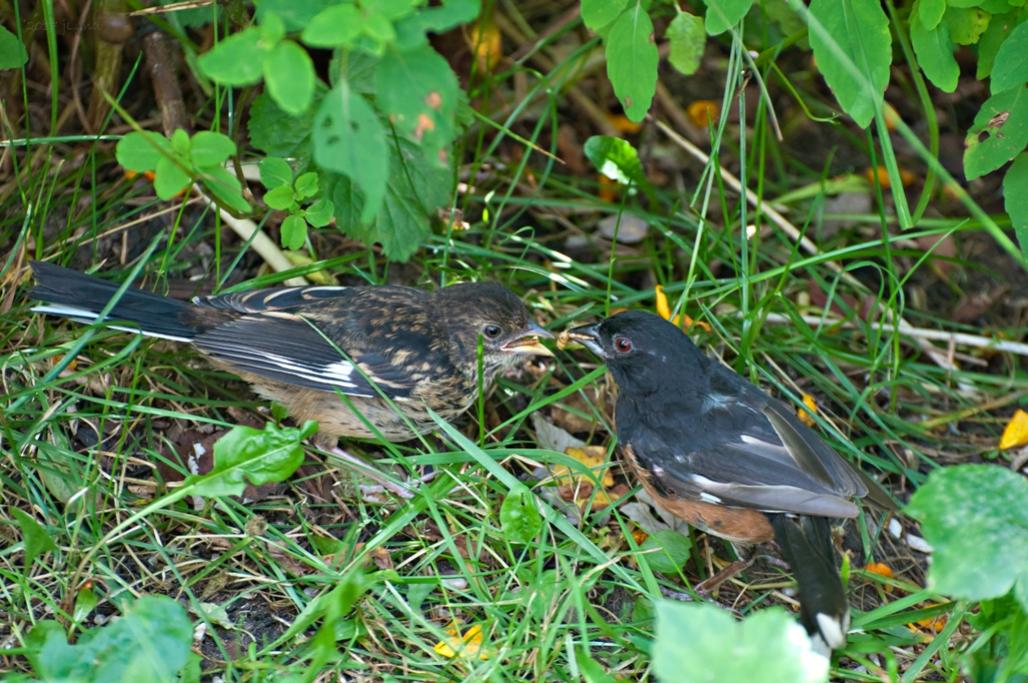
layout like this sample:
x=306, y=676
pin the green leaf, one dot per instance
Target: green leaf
x=966, y=25
x=417, y=91
x=999, y=28
x=294, y=232
x=275, y=173
x=975, y=517
x=272, y=29
x=85, y=602
x=999, y=132
x=12, y=52
x=616, y=159
x=306, y=185
x=180, y=144
x=34, y=537
x=519, y=518
x=225, y=187
x=279, y=198
x=667, y=551
x=767, y=647
x=1015, y=199
x=140, y=152
x=150, y=642
x=237, y=60
x=724, y=14
x=929, y=12
x=170, y=178
x=1011, y=69
x=632, y=61
x=853, y=50
x=688, y=39
x=289, y=74
x=592, y=671
x=319, y=214
x=247, y=455
x=934, y=52
x=349, y=139
x=276, y=132
x=410, y=30
x=211, y=149
x=294, y=15
x=597, y=14
x=336, y=26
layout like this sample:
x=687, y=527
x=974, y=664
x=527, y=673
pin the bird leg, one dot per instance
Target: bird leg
x=372, y=491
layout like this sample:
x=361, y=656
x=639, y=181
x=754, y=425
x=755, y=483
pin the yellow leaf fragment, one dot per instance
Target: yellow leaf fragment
x=467, y=645
x=703, y=112
x=593, y=457
x=1016, y=432
x=664, y=311
x=805, y=417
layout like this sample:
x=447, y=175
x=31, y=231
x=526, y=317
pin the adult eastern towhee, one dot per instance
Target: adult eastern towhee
x=394, y=351
x=719, y=453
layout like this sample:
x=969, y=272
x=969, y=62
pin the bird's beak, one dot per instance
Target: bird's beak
x=586, y=335
x=528, y=341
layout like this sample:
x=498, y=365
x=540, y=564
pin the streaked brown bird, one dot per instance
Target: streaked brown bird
x=393, y=351
x=720, y=454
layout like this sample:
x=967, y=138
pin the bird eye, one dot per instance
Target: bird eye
x=491, y=331
x=622, y=344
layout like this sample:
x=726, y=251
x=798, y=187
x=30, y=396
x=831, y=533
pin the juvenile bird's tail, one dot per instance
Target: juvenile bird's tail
x=71, y=294
x=806, y=544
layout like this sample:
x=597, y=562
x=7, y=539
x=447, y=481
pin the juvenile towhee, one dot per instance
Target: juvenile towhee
x=719, y=453
x=394, y=351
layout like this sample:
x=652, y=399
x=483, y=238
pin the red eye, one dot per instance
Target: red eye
x=622, y=344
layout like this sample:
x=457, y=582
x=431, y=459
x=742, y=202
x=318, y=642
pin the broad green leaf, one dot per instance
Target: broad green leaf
x=417, y=91
x=337, y=26
x=276, y=132
x=597, y=14
x=724, y=14
x=929, y=12
x=349, y=139
x=966, y=25
x=616, y=159
x=999, y=28
x=667, y=551
x=1015, y=200
x=225, y=187
x=255, y=456
x=632, y=61
x=319, y=214
x=853, y=49
x=934, y=52
x=237, y=60
x=211, y=149
x=975, y=517
x=272, y=29
x=767, y=647
x=12, y=52
x=294, y=15
x=279, y=198
x=688, y=39
x=150, y=642
x=289, y=74
x=85, y=602
x=519, y=518
x=180, y=143
x=170, y=178
x=306, y=185
x=294, y=232
x=998, y=134
x=275, y=172
x=411, y=30
x=1011, y=66
x=140, y=152
x=35, y=539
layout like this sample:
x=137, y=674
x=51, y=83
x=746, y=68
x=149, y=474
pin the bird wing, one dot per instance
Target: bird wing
x=749, y=452
x=275, y=298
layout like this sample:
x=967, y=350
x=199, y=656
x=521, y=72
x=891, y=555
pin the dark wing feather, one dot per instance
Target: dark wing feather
x=276, y=298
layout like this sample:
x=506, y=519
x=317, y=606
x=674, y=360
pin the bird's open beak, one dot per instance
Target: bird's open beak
x=586, y=335
x=528, y=341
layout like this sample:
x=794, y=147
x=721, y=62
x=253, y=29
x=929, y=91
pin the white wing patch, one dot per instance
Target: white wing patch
x=82, y=315
x=337, y=373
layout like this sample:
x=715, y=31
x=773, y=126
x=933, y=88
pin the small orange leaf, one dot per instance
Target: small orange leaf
x=1016, y=431
x=623, y=124
x=880, y=569
x=805, y=417
x=639, y=536
x=703, y=112
x=593, y=457
x=467, y=645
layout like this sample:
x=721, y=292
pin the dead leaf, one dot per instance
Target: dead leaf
x=1016, y=432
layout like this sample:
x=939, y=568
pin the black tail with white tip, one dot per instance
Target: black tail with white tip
x=71, y=294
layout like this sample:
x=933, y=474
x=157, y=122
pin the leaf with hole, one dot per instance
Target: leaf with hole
x=999, y=133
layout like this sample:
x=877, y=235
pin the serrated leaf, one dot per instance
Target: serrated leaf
x=12, y=51
x=336, y=26
x=275, y=172
x=688, y=40
x=767, y=647
x=853, y=49
x=934, y=52
x=255, y=456
x=667, y=551
x=236, y=60
x=519, y=517
x=294, y=232
x=1015, y=199
x=615, y=158
x=417, y=91
x=34, y=538
x=597, y=14
x=211, y=149
x=319, y=214
x=349, y=139
x=140, y=151
x=998, y=134
x=632, y=61
x=966, y=24
x=306, y=185
x=225, y=187
x=724, y=14
x=279, y=198
x=150, y=642
x=289, y=75
x=975, y=517
x=169, y=178
x=929, y=12
x=1011, y=66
